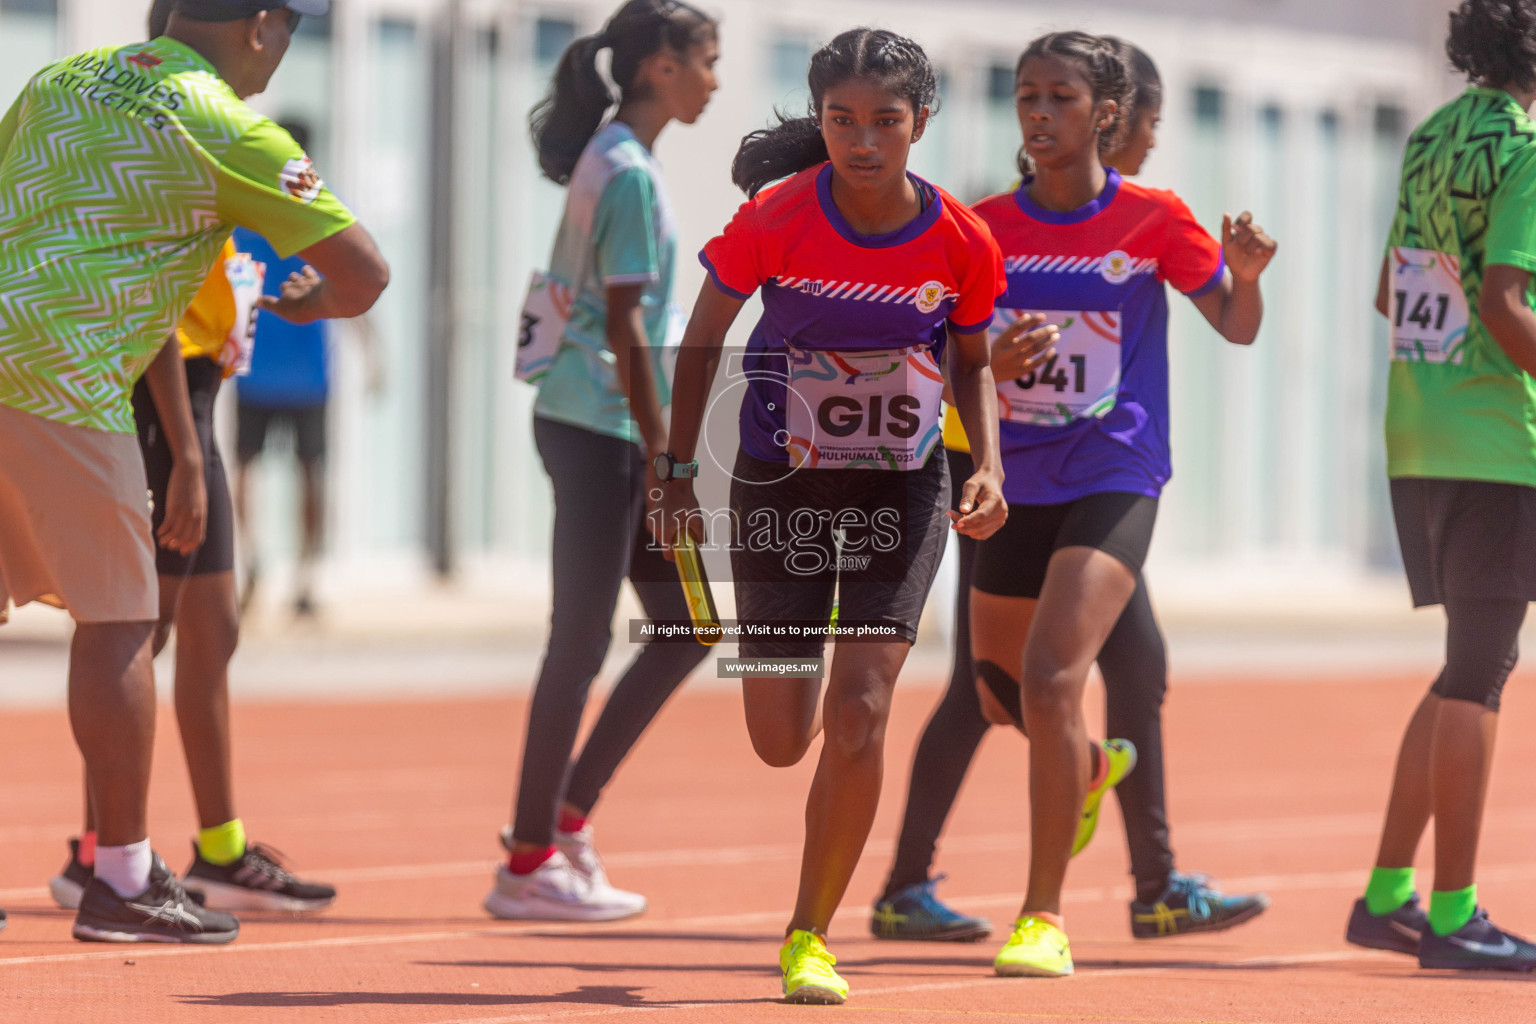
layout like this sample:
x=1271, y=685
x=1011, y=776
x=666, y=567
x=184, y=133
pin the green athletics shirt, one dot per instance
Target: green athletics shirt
x=1457, y=406
x=122, y=172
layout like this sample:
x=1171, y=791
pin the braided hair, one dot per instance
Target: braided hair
x=795, y=143
x=1103, y=66
x=579, y=98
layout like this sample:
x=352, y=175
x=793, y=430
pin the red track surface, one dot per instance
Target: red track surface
x=1274, y=785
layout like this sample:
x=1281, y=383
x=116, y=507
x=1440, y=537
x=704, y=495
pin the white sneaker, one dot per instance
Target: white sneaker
x=580, y=850
x=556, y=891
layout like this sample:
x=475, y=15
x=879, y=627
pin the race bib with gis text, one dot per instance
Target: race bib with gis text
x=863, y=410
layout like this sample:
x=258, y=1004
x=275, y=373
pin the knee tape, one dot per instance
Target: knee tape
x=1004, y=687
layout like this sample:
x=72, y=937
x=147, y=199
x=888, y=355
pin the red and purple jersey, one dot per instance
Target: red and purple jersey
x=1095, y=417
x=828, y=289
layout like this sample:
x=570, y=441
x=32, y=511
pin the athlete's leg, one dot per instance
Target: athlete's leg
x=1442, y=767
x=170, y=593
x=207, y=633
x=1408, y=808
x=250, y=439
x=783, y=717
x=846, y=789
x=1482, y=646
x=112, y=712
x=310, y=439
x=1134, y=663
x=948, y=744
x=1084, y=594
x=593, y=535
x=655, y=674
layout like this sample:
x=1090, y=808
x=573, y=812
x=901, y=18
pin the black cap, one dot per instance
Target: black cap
x=233, y=10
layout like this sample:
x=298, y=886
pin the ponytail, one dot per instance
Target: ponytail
x=565, y=121
x=580, y=97
x=769, y=154
x=795, y=144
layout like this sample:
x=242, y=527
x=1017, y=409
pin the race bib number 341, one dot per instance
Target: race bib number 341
x=1428, y=306
x=1081, y=381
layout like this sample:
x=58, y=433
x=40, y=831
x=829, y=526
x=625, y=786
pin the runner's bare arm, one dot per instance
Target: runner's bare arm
x=713, y=313
x=352, y=276
x=1507, y=314
x=982, y=508
x=1384, y=291
x=186, y=497
x=1236, y=307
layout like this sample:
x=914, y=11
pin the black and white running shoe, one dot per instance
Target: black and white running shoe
x=68, y=885
x=257, y=881
x=2, y=920
x=161, y=913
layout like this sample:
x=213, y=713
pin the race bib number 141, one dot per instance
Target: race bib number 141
x=1428, y=306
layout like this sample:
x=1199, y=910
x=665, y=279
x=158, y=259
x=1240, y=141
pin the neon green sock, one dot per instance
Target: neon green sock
x=222, y=844
x=1448, y=911
x=1388, y=889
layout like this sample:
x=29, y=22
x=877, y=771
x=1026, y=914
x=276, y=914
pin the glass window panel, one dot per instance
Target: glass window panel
x=398, y=175
x=550, y=38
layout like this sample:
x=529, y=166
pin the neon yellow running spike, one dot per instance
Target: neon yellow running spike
x=1121, y=755
x=1036, y=949
x=808, y=973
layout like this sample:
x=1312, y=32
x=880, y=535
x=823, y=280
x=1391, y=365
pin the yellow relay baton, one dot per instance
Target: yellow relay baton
x=701, y=600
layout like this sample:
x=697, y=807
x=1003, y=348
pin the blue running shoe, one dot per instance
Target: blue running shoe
x=1190, y=904
x=1478, y=945
x=1397, y=932
x=915, y=914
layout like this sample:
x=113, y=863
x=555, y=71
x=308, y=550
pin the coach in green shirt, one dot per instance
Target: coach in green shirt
x=122, y=172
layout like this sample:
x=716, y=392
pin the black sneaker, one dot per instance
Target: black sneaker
x=2, y=920
x=1478, y=945
x=1192, y=903
x=257, y=881
x=161, y=913
x=68, y=885
x=1397, y=932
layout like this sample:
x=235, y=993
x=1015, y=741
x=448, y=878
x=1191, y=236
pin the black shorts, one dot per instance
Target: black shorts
x=1466, y=539
x=1012, y=562
x=785, y=558
x=307, y=424
x=218, y=551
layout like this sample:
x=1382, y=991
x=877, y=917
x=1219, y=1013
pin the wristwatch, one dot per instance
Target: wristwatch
x=668, y=468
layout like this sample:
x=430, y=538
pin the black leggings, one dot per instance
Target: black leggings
x=1482, y=644
x=1134, y=663
x=600, y=537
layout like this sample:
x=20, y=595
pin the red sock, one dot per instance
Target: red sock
x=570, y=822
x=88, y=849
x=1100, y=769
x=527, y=863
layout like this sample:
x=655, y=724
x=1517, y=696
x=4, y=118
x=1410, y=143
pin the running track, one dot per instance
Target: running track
x=1275, y=784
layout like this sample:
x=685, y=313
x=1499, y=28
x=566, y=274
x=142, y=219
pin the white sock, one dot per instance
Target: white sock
x=125, y=868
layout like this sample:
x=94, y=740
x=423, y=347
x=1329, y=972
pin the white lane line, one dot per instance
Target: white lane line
x=860, y=993
x=848, y=916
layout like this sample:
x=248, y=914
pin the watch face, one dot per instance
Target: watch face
x=663, y=468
